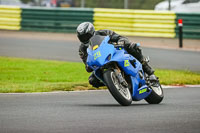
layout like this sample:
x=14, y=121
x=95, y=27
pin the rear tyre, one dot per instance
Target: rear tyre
x=156, y=95
x=121, y=94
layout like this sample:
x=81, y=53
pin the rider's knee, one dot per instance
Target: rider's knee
x=94, y=81
x=91, y=80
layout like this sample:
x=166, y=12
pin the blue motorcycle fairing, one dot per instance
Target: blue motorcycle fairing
x=106, y=53
x=138, y=83
x=97, y=58
x=136, y=95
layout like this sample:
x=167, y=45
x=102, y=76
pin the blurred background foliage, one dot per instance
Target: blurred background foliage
x=132, y=4
x=26, y=1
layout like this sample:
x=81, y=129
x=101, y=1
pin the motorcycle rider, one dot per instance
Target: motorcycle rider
x=86, y=30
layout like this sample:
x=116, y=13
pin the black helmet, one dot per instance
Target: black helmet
x=85, y=31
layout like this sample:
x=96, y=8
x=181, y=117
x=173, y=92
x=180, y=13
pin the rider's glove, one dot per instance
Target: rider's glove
x=114, y=37
x=123, y=41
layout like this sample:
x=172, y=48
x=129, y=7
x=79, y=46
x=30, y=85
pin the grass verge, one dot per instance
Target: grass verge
x=29, y=75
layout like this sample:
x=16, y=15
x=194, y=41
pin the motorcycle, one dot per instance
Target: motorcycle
x=121, y=73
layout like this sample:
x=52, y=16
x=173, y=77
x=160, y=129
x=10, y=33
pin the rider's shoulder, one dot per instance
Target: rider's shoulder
x=103, y=32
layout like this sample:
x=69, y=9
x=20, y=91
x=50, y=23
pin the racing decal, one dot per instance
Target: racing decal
x=97, y=55
x=126, y=63
x=143, y=90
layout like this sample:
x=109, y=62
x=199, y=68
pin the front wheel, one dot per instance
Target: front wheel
x=121, y=93
x=156, y=95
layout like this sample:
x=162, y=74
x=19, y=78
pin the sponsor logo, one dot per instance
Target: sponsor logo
x=97, y=55
x=126, y=63
x=143, y=91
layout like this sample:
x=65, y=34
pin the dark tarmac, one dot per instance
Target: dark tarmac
x=98, y=112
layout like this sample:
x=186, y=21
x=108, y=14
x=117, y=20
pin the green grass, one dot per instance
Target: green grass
x=28, y=75
x=178, y=77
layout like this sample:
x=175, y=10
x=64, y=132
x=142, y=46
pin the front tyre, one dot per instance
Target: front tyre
x=156, y=95
x=121, y=94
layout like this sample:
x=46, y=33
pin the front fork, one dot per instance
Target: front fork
x=117, y=71
x=121, y=79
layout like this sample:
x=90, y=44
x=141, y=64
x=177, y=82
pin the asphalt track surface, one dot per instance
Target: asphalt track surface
x=98, y=112
x=67, y=50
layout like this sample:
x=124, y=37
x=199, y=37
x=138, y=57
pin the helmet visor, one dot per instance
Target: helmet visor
x=85, y=37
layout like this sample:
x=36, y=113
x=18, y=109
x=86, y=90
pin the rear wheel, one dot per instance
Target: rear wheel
x=121, y=93
x=156, y=95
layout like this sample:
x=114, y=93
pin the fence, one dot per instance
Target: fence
x=54, y=19
x=136, y=22
x=127, y=22
x=191, y=24
x=10, y=18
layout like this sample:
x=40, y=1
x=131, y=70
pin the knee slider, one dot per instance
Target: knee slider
x=91, y=80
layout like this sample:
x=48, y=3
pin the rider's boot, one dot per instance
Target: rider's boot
x=147, y=69
x=153, y=80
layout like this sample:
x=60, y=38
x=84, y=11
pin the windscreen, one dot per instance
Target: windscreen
x=96, y=40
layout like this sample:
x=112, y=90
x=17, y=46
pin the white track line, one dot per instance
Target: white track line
x=180, y=86
x=59, y=92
